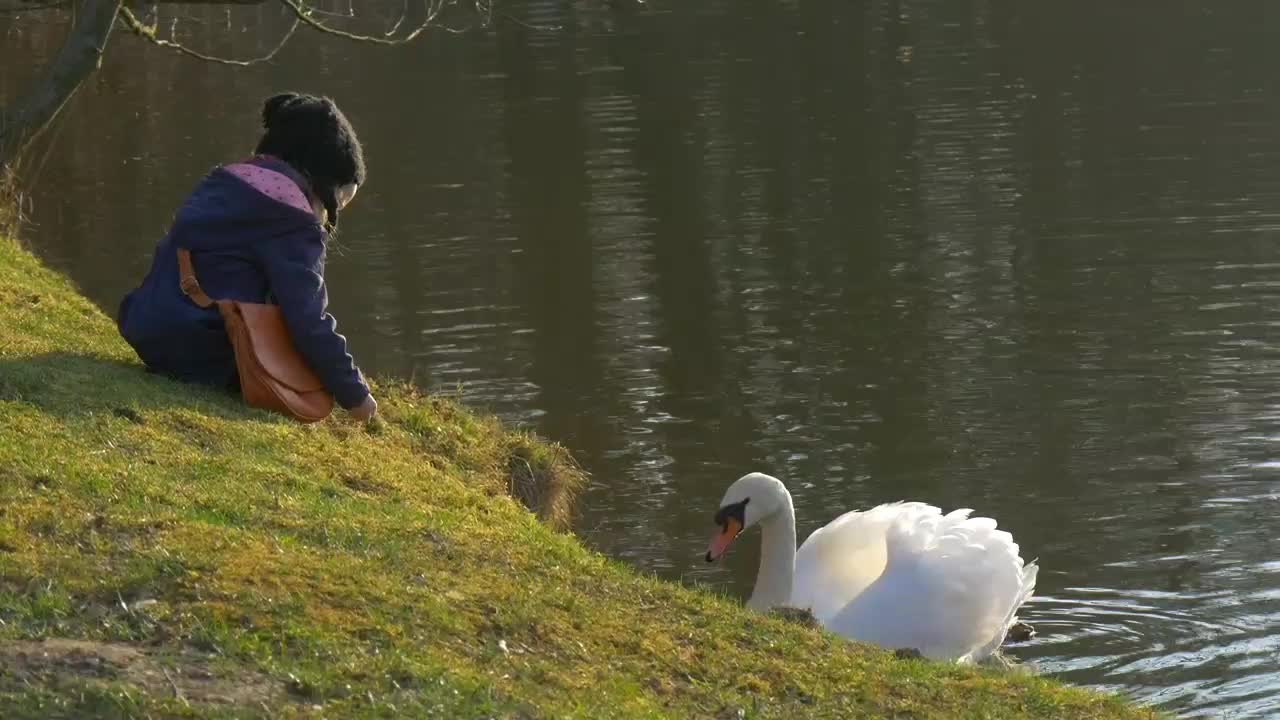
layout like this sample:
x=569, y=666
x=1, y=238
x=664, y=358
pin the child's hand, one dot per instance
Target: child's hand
x=365, y=410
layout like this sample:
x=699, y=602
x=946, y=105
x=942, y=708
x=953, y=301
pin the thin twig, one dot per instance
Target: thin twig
x=176, y=692
x=149, y=33
x=528, y=26
x=303, y=13
x=404, y=13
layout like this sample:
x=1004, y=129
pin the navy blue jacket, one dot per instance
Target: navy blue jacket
x=247, y=246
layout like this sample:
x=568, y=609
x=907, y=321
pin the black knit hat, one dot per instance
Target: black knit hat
x=313, y=136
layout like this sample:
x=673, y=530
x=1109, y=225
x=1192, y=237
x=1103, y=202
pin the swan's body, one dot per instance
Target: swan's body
x=902, y=575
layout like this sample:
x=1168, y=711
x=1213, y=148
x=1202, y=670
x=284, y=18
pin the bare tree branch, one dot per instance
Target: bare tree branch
x=82, y=51
x=404, y=13
x=149, y=33
x=303, y=13
x=80, y=55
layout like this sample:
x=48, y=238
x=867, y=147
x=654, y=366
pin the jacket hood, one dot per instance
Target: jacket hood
x=224, y=212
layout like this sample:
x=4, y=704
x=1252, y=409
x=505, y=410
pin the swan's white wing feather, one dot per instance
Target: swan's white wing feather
x=841, y=559
x=951, y=586
x=1028, y=577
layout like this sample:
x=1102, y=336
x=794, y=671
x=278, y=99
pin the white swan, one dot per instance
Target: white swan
x=901, y=575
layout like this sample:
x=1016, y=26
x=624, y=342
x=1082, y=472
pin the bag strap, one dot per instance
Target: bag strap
x=187, y=280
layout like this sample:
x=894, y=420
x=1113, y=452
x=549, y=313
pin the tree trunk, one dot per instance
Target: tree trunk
x=80, y=55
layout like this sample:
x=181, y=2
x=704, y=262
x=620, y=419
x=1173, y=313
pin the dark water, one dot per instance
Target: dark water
x=1017, y=256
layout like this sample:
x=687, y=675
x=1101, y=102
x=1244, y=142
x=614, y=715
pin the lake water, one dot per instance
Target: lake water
x=1016, y=256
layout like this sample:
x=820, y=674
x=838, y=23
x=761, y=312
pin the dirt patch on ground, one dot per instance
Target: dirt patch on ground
x=186, y=675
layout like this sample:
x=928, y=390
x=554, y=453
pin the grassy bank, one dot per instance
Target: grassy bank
x=166, y=553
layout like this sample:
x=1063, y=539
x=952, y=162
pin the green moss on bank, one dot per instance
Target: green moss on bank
x=166, y=553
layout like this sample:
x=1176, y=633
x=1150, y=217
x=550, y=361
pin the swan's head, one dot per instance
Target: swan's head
x=749, y=500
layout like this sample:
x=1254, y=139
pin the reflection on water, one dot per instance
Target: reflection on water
x=1012, y=256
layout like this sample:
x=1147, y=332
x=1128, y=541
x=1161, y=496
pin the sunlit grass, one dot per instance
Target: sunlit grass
x=254, y=567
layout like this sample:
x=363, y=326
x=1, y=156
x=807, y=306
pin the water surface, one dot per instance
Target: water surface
x=1016, y=256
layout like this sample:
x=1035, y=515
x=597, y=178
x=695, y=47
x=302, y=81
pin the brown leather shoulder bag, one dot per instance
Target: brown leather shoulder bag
x=273, y=375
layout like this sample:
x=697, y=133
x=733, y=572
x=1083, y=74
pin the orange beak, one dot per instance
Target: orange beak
x=721, y=541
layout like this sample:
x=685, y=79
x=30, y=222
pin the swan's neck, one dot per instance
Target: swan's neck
x=777, y=559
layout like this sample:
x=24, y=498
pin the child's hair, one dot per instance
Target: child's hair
x=313, y=136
